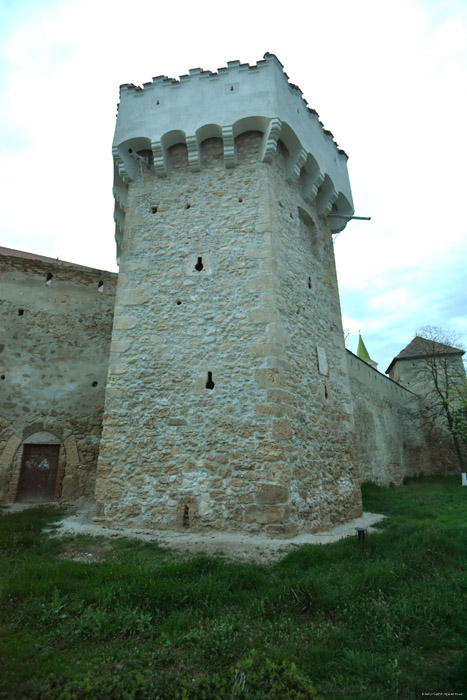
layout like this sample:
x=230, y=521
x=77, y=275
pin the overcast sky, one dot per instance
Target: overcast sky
x=389, y=79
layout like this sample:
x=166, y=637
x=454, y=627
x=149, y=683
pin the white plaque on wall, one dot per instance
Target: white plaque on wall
x=323, y=365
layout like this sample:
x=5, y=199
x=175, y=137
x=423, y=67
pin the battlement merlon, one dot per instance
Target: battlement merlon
x=234, y=100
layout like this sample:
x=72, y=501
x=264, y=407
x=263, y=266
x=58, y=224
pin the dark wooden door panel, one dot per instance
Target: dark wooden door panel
x=38, y=473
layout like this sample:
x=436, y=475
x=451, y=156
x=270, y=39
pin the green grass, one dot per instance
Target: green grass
x=383, y=621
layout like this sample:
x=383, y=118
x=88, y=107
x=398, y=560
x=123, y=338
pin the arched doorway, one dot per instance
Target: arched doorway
x=39, y=468
x=39, y=471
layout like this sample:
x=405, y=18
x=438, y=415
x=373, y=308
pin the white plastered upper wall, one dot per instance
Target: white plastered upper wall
x=236, y=99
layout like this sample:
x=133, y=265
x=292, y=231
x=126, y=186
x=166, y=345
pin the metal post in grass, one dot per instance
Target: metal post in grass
x=361, y=534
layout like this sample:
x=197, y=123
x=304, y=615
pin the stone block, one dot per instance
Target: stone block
x=272, y=493
x=268, y=378
x=124, y=323
x=286, y=530
x=277, y=471
x=106, y=489
x=244, y=498
x=104, y=467
x=70, y=485
x=277, y=333
x=281, y=430
x=278, y=362
x=266, y=350
x=9, y=450
x=132, y=297
x=270, y=452
x=132, y=266
x=270, y=265
x=154, y=470
x=246, y=431
x=71, y=449
x=258, y=251
x=265, y=514
x=117, y=369
x=281, y=396
x=263, y=283
x=263, y=315
x=132, y=511
x=120, y=345
x=189, y=466
x=269, y=409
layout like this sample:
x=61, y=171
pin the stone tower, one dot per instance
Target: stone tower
x=228, y=402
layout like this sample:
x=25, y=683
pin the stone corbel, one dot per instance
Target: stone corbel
x=230, y=157
x=121, y=167
x=311, y=186
x=160, y=159
x=326, y=199
x=121, y=196
x=194, y=156
x=270, y=138
x=119, y=218
x=295, y=166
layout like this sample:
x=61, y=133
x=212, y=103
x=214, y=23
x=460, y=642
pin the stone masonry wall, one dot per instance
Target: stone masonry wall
x=54, y=349
x=177, y=452
x=414, y=373
x=391, y=441
x=316, y=403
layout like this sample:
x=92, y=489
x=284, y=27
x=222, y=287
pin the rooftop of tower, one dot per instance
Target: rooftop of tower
x=225, y=104
x=163, y=80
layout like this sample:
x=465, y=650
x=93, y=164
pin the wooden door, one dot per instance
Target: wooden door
x=38, y=473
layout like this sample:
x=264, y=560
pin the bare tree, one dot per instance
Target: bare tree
x=439, y=376
x=459, y=409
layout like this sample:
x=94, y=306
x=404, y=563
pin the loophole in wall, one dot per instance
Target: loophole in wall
x=210, y=384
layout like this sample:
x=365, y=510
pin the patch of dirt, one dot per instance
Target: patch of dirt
x=237, y=546
x=86, y=553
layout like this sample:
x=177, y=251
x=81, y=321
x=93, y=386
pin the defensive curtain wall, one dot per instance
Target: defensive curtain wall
x=228, y=400
x=55, y=321
x=413, y=368
x=391, y=439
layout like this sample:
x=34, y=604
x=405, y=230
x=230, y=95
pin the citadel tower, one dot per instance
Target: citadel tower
x=227, y=403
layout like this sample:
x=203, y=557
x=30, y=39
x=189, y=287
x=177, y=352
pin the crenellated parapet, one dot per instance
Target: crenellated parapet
x=236, y=99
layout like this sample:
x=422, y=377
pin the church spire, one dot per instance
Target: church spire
x=363, y=353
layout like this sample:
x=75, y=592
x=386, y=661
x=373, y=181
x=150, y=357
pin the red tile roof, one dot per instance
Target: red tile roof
x=424, y=347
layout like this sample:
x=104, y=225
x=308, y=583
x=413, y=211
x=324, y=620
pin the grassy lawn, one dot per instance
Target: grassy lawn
x=386, y=620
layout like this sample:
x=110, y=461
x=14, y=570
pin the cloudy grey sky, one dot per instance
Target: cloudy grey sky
x=388, y=79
